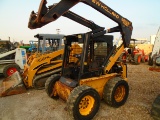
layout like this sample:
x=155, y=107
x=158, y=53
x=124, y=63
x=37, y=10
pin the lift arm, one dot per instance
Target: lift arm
x=46, y=15
x=35, y=23
x=73, y=16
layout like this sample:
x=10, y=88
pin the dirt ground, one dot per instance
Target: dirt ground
x=36, y=105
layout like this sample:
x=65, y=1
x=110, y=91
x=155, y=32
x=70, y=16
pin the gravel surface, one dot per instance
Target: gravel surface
x=36, y=105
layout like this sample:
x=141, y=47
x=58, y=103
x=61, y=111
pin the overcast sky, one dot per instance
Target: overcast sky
x=14, y=16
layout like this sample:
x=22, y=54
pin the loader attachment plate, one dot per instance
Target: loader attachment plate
x=12, y=85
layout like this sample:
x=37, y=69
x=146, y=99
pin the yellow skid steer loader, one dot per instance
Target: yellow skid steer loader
x=40, y=65
x=95, y=73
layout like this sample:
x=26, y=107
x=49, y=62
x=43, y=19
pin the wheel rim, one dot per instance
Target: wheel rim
x=10, y=71
x=86, y=104
x=120, y=93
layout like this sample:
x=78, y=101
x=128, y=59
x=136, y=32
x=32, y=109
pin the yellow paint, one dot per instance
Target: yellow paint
x=97, y=83
x=36, y=62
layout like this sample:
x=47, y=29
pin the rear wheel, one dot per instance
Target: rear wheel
x=155, y=111
x=83, y=103
x=137, y=59
x=116, y=92
x=143, y=59
x=10, y=69
x=49, y=85
x=157, y=61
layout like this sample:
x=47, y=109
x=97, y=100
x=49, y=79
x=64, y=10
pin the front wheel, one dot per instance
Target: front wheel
x=49, y=85
x=143, y=59
x=10, y=69
x=83, y=103
x=116, y=92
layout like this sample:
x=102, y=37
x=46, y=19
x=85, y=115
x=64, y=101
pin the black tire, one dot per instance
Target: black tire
x=150, y=61
x=49, y=85
x=137, y=59
x=39, y=84
x=157, y=60
x=10, y=69
x=155, y=111
x=83, y=103
x=116, y=92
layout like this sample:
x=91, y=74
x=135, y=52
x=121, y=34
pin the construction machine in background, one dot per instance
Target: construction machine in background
x=7, y=45
x=31, y=47
x=154, y=58
x=12, y=58
x=45, y=62
x=12, y=61
x=40, y=65
x=90, y=69
x=154, y=62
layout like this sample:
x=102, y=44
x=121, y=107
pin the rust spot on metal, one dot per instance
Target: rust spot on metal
x=12, y=85
x=18, y=90
x=62, y=90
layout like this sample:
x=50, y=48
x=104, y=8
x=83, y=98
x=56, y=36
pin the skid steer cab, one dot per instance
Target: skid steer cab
x=90, y=72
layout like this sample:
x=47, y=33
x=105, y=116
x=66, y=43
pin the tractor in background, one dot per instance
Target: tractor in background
x=33, y=46
x=30, y=48
x=133, y=54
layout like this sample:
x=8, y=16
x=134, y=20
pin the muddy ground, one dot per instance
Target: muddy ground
x=36, y=105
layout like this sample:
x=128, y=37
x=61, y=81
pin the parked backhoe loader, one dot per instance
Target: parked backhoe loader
x=154, y=59
x=40, y=65
x=94, y=73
